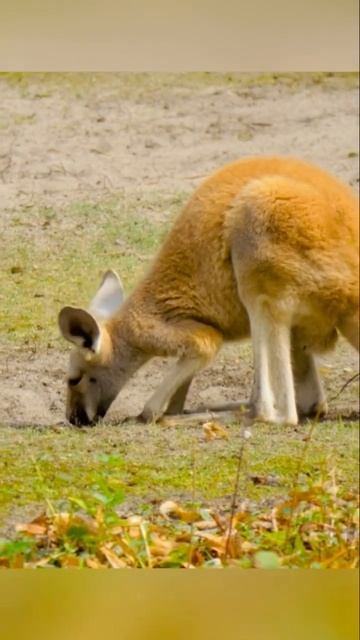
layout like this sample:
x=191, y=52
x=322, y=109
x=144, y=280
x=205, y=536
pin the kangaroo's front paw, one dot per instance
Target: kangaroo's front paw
x=149, y=415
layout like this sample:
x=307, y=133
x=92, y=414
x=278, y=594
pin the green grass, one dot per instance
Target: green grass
x=52, y=257
x=148, y=85
x=60, y=463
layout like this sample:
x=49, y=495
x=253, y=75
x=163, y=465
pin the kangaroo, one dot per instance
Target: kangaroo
x=266, y=247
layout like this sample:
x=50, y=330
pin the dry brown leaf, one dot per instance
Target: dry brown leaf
x=134, y=529
x=70, y=561
x=189, y=516
x=196, y=560
x=93, y=563
x=170, y=509
x=128, y=551
x=60, y=523
x=44, y=562
x=183, y=537
x=214, y=431
x=114, y=561
x=118, y=530
x=206, y=524
x=160, y=547
x=263, y=524
x=216, y=543
x=16, y=563
x=220, y=520
x=4, y=562
x=31, y=529
x=42, y=518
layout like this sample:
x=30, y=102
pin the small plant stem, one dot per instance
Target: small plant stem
x=191, y=546
x=45, y=488
x=296, y=479
x=357, y=375
x=235, y=495
x=146, y=543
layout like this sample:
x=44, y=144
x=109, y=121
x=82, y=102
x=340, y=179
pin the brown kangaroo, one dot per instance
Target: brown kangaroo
x=267, y=247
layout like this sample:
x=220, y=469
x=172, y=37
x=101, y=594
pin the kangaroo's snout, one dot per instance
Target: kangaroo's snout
x=79, y=418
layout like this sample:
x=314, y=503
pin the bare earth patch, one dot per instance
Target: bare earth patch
x=33, y=386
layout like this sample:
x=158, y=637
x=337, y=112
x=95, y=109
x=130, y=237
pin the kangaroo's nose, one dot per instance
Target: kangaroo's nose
x=79, y=418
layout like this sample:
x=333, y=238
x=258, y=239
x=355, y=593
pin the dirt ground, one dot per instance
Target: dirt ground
x=62, y=143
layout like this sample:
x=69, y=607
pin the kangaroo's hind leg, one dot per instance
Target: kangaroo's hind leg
x=273, y=395
x=310, y=395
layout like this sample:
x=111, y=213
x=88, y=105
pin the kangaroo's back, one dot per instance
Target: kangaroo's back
x=193, y=274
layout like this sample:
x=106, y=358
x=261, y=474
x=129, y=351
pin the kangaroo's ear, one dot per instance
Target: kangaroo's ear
x=108, y=298
x=79, y=327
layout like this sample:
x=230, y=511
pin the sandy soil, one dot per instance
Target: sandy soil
x=57, y=146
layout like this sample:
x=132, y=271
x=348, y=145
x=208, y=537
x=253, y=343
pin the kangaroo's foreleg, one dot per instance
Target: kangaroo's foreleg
x=349, y=327
x=177, y=402
x=196, y=344
x=178, y=376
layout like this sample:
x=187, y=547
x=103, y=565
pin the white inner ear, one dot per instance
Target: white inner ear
x=79, y=327
x=108, y=298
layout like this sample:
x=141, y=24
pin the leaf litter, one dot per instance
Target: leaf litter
x=314, y=526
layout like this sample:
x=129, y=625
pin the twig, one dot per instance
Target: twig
x=44, y=487
x=235, y=495
x=307, y=440
x=194, y=419
x=191, y=545
x=357, y=375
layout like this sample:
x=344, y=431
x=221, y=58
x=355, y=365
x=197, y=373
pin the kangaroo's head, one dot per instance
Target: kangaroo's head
x=99, y=364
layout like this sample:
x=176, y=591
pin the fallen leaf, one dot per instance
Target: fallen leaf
x=206, y=524
x=216, y=543
x=134, y=523
x=214, y=431
x=70, y=561
x=172, y=510
x=160, y=547
x=114, y=561
x=248, y=547
x=169, y=509
x=31, y=528
x=93, y=563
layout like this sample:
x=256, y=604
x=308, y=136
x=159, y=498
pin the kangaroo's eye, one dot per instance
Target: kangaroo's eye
x=93, y=380
x=72, y=382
